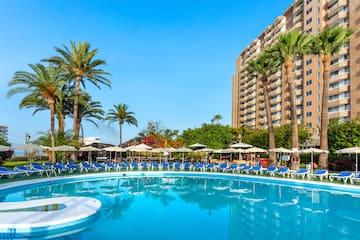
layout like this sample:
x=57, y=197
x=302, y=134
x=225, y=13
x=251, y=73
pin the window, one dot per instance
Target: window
x=308, y=72
x=308, y=114
x=346, y=82
x=334, y=85
x=334, y=109
x=308, y=21
x=347, y=69
x=309, y=125
x=308, y=1
x=308, y=103
x=299, y=107
x=347, y=95
x=309, y=30
x=308, y=93
x=318, y=108
x=308, y=62
x=308, y=82
x=308, y=11
x=334, y=97
x=347, y=107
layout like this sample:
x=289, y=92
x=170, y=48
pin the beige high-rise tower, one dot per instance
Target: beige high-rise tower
x=310, y=16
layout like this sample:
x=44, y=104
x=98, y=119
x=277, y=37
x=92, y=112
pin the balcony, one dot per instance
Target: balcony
x=341, y=15
x=338, y=102
x=339, y=77
x=336, y=6
x=339, y=114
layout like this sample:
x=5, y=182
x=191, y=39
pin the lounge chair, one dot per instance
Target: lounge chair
x=209, y=166
x=187, y=166
x=302, y=172
x=257, y=169
x=98, y=166
x=163, y=166
x=198, y=166
x=270, y=170
x=344, y=175
x=27, y=170
x=10, y=173
x=233, y=167
x=41, y=169
x=86, y=166
x=143, y=166
x=223, y=167
x=281, y=171
x=356, y=178
x=177, y=166
x=320, y=173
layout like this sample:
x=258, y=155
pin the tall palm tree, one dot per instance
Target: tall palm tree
x=42, y=87
x=328, y=43
x=216, y=118
x=289, y=46
x=78, y=64
x=89, y=110
x=121, y=114
x=261, y=68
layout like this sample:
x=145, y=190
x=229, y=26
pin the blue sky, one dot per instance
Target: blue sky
x=171, y=61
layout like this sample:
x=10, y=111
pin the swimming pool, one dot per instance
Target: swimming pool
x=204, y=206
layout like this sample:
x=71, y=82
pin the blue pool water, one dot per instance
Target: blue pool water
x=213, y=208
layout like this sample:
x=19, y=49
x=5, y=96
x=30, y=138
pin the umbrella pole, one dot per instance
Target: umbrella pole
x=356, y=164
x=312, y=162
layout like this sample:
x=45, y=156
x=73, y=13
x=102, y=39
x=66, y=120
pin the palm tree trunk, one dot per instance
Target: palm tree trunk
x=52, y=128
x=272, y=144
x=323, y=160
x=295, y=159
x=76, y=108
x=61, y=123
x=120, y=134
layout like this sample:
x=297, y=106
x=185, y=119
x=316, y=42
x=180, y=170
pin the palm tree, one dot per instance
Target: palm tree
x=289, y=46
x=78, y=64
x=121, y=114
x=261, y=68
x=216, y=118
x=327, y=44
x=89, y=110
x=42, y=87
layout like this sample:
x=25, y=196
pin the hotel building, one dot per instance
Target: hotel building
x=310, y=16
x=4, y=132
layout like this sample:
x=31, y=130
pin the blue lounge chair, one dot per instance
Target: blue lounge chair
x=27, y=170
x=257, y=169
x=302, y=172
x=41, y=169
x=245, y=168
x=187, y=166
x=223, y=167
x=10, y=173
x=356, y=178
x=320, y=173
x=98, y=166
x=156, y=166
x=198, y=166
x=344, y=175
x=233, y=167
x=270, y=170
x=209, y=166
x=281, y=171
x=143, y=166
x=134, y=165
x=164, y=166
x=86, y=166
x=178, y=166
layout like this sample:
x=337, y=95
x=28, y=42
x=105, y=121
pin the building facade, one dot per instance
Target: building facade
x=310, y=16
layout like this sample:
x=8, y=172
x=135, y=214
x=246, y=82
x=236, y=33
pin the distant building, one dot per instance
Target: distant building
x=91, y=140
x=4, y=132
x=248, y=107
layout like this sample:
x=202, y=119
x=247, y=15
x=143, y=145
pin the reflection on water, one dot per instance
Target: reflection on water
x=200, y=208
